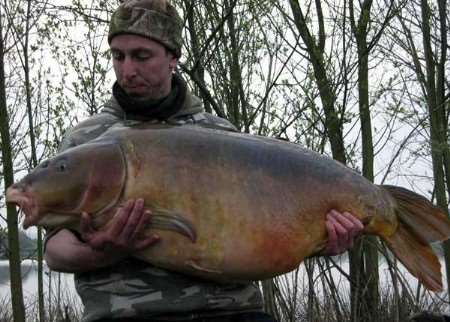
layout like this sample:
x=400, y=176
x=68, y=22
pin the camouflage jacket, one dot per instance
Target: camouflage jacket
x=133, y=288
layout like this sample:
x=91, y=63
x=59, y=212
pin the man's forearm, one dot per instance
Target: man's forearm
x=66, y=253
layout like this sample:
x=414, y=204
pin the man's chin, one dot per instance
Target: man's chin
x=136, y=94
x=140, y=95
x=137, y=97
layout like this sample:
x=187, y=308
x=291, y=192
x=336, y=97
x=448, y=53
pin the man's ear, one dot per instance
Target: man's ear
x=173, y=63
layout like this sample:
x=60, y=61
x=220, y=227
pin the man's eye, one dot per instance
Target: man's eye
x=117, y=56
x=142, y=57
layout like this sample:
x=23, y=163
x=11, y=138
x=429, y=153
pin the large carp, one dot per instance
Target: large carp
x=228, y=206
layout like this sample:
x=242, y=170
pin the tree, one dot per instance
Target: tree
x=22, y=36
x=361, y=28
x=436, y=102
x=428, y=54
x=81, y=50
x=8, y=174
x=315, y=50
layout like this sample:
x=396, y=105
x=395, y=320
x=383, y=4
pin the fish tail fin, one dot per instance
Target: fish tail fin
x=419, y=224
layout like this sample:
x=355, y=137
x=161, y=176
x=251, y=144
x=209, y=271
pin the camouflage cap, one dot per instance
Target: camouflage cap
x=154, y=19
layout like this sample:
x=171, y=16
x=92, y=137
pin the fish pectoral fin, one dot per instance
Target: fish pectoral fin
x=167, y=220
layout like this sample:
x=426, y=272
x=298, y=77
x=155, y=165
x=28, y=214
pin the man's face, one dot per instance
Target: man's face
x=143, y=67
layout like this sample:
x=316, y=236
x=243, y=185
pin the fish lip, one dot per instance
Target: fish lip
x=25, y=202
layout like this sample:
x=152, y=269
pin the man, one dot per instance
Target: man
x=145, y=42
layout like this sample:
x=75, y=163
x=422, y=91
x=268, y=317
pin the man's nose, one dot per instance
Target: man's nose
x=128, y=68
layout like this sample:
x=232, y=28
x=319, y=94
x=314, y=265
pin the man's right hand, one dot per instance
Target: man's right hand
x=65, y=252
x=125, y=232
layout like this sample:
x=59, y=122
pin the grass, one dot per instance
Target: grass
x=328, y=300
x=303, y=309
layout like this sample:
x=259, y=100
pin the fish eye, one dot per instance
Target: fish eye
x=61, y=167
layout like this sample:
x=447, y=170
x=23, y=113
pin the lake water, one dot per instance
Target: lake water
x=53, y=281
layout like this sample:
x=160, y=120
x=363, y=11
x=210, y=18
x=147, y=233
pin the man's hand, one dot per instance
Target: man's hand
x=342, y=229
x=125, y=234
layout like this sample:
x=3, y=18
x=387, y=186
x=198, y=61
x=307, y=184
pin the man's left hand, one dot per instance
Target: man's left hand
x=342, y=229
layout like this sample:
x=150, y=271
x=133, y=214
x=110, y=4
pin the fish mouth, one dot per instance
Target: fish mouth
x=26, y=205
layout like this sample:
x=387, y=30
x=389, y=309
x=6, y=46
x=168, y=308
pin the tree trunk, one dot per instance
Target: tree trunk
x=270, y=305
x=444, y=106
x=436, y=112
x=198, y=70
x=34, y=162
x=333, y=124
x=8, y=174
x=366, y=263
x=327, y=96
x=237, y=91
